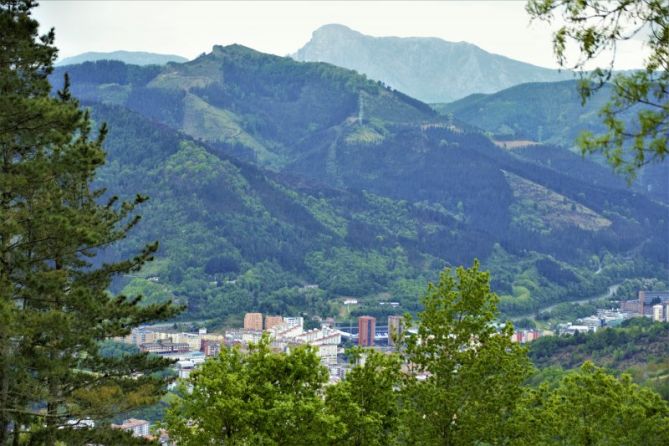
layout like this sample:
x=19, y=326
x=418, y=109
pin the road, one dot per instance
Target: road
x=610, y=292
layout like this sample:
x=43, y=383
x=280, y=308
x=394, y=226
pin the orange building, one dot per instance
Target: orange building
x=272, y=321
x=366, y=331
x=253, y=321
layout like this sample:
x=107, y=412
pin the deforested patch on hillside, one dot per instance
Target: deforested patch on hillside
x=515, y=143
x=544, y=209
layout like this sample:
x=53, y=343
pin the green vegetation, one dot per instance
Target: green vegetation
x=256, y=398
x=462, y=384
x=590, y=407
x=594, y=27
x=542, y=112
x=55, y=307
x=418, y=211
x=459, y=349
x=366, y=401
x=639, y=347
x=551, y=117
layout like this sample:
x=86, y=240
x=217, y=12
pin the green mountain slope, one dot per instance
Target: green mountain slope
x=550, y=113
x=235, y=238
x=259, y=107
x=429, y=69
x=364, y=180
x=547, y=112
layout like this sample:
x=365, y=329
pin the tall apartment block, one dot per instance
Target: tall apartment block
x=366, y=331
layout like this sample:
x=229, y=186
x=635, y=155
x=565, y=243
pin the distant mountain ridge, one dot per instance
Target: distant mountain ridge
x=429, y=69
x=129, y=57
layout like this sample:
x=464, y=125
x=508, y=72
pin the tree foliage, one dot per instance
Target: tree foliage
x=367, y=400
x=54, y=305
x=590, y=407
x=259, y=397
x=457, y=379
x=596, y=28
x=473, y=373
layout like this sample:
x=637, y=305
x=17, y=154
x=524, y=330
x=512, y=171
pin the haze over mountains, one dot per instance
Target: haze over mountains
x=129, y=57
x=430, y=69
x=361, y=189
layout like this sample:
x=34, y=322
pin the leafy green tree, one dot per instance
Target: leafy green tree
x=367, y=400
x=589, y=407
x=471, y=373
x=595, y=27
x=254, y=398
x=54, y=305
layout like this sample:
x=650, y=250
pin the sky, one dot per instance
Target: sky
x=190, y=28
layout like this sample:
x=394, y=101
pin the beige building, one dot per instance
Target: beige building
x=272, y=321
x=253, y=321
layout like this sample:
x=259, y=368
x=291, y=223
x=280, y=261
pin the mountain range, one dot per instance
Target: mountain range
x=430, y=69
x=129, y=57
x=269, y=174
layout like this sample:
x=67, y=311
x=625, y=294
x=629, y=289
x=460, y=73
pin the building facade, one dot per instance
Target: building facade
x=366, y=331
x=658, y=311
x=210, y=348
x=163, y=346
x=253, y=321
x=272, y=321
x=647, y=299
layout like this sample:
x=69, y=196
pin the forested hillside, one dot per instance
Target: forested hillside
x=535, y=119
x=640, y=347
x=268, y=174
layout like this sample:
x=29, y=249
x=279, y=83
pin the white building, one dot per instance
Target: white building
x=658, y=313
x=573, y=329
x=327, y=341
x=291, y=327
x=139, y=428
x=592, y=322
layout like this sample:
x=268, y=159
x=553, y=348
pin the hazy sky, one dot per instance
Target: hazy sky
x=189, y=28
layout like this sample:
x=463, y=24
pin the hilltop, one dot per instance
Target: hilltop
x=129, y=57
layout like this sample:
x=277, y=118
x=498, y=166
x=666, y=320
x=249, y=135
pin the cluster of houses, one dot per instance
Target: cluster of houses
x=286, y=333
x=191, y=349
x=650, y=304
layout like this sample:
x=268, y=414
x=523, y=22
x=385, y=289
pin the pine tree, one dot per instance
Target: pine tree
x=55, y=307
